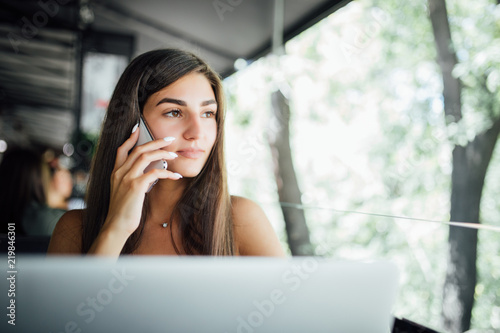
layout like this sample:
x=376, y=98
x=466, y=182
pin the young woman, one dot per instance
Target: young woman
x=189, y=210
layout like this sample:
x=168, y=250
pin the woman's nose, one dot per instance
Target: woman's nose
x=193, y=128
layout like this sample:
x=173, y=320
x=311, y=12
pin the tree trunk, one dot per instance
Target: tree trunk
x=470, y=164
x=286, y=181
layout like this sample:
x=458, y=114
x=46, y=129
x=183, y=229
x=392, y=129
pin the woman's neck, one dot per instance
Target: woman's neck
x=163, y=198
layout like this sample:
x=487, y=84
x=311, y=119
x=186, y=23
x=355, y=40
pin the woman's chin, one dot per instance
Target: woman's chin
x=187, y=173
x=186, y=170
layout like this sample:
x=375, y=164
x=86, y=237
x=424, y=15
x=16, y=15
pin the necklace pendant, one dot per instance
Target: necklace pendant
x=164, y=225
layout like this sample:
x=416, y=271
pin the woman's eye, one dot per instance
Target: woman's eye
x=208, y=114
x=173, y=114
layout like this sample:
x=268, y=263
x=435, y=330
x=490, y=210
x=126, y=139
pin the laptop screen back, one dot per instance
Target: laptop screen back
x=201, y=294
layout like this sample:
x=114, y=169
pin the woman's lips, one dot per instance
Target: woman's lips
x=191, y=153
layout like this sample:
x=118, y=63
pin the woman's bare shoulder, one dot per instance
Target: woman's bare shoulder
x=254, y=234
x=241, y=204
x=67, y=235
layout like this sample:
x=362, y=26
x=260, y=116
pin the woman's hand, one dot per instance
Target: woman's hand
x=129, y=184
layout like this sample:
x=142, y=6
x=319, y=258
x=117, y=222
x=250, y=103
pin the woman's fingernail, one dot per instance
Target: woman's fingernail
x=173, y=154
x=178, y=175
x=169, y=138
x=135, y=128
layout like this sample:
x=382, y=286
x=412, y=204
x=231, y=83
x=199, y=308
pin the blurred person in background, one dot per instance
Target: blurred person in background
x=24, y=188
x=60, y=185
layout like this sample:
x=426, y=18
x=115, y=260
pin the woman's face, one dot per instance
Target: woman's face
x=62, y=182
x=185, y=110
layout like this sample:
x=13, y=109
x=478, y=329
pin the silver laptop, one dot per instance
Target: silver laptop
x=197, y=294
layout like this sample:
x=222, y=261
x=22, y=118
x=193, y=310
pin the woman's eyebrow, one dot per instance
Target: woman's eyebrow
x=173, y=101
x=183, y=103
x=208, y=102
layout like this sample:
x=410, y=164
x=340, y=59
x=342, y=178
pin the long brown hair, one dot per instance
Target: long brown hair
x=204, y=209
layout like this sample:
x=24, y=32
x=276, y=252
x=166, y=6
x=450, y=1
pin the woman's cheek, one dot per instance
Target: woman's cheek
x=165, y=131
x=213, y=135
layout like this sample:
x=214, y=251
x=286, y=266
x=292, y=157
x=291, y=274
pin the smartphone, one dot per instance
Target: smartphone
x=145, y=136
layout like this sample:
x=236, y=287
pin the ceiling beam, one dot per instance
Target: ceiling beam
x=308, y=20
